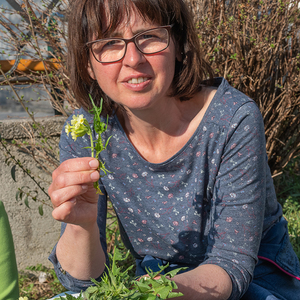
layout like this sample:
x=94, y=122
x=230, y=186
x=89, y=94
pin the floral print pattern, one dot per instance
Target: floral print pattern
x=208, y=204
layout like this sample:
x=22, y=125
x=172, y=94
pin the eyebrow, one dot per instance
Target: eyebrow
x=118, y=34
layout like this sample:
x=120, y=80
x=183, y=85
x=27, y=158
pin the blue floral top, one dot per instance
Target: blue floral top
x=211, y=203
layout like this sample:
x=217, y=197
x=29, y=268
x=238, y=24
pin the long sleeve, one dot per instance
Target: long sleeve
x=238, y=203
x=71, y=149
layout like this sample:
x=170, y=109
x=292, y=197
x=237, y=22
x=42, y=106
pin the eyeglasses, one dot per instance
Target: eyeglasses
x=151, y=41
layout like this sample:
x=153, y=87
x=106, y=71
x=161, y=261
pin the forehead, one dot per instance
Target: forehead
x=115, y=18
x=135, y=23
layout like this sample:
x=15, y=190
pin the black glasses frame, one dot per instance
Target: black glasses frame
x=133, y=39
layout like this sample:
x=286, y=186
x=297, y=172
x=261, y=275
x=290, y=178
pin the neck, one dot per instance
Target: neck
x=168, y=119
x=160, y=132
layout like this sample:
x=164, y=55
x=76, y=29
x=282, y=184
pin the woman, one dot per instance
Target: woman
x=188, y=177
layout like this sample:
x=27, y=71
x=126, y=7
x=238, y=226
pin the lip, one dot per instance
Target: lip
x=137, y=86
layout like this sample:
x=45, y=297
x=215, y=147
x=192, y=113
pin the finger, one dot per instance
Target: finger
x=75, y=178
x=64, y=211
x=58, y=197
x=76, y=165
x=74, y=212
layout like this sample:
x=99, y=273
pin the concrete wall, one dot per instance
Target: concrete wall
x=34, y=235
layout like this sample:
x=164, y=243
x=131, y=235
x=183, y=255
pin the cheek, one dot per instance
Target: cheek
x=107, y=75
x=91, y=72
x=168, y=68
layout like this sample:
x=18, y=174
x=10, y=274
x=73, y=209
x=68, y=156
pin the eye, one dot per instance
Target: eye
x=148, y=36
x=111, y=43
x=106, y=45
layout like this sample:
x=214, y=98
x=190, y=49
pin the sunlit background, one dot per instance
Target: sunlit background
x=9, y=106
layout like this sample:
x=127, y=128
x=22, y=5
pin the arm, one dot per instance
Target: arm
x=238, y=199
x=80, y=252
x=207, y=282
x=74, y=199
x=236, y=212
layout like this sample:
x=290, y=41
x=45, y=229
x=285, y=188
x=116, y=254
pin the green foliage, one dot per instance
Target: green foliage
x=118, y=284
x=288, y=191
x=256, y=48
x=291, y=210
x=31, y=288
x=30, y=38
x=80, y=127
x=24, y=193
x=99, y=127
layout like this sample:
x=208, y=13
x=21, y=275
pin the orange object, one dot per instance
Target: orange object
x=28, y=65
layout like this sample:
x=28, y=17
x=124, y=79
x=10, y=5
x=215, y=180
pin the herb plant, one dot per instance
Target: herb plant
x=79, y=127
x=117, y=284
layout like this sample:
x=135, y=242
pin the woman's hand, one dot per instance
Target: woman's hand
x=72, y=193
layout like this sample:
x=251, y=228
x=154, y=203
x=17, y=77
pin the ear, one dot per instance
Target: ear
x=179, y=52
x=179, y=55
x=91, y=71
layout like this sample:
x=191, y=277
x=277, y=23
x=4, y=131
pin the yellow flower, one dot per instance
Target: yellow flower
x=80, y=119
x=23, y=298
x=79, y=127
x=77, y=120
x=73, y=135
x=68, y=129
x=74, y=120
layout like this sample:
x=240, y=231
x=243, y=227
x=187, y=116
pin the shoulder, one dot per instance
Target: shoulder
x=230, y=105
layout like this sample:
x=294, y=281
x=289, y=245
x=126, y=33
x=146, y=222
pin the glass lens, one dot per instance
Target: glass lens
x=148, y=42
x=152, y=41
x=108, y=50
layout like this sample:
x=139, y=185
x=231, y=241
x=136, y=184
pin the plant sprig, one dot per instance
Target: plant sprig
x=79, y=127
x=117, y=284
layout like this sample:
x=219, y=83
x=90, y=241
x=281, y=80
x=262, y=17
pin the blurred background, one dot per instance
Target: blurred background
x=36, y=97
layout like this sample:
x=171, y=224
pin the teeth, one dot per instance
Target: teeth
x=137, y=80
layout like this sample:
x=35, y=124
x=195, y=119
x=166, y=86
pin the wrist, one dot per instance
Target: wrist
x=85, y=229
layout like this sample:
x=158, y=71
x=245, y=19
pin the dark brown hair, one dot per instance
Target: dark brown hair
x=87, y=19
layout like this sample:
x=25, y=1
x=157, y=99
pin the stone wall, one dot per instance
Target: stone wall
x=34, y=235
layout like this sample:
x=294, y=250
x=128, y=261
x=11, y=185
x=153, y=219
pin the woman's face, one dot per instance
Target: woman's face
x=154, y=73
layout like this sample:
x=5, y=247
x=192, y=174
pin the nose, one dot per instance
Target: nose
x=133, y=56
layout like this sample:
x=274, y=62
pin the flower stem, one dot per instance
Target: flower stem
x=92, y=145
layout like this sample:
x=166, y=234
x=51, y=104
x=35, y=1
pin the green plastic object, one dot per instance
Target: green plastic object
x=9, y=286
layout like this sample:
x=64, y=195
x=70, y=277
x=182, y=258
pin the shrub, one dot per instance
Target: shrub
x=255, y=46
x=33, y=36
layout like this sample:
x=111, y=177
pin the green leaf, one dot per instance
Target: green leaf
x=26, y=201
x=151, y=297
x=70, y=297
x=143, y=287
x=173, y=295
x=41, y=211
x=163, y=292
x=107, y=142
x=17, y=195
x=92, y=289
x=175, y=272
x=13, y=172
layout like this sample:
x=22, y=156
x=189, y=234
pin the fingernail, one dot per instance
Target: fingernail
x=95, y=175
x=84, y=187
x=73, y=200
x=94, y=163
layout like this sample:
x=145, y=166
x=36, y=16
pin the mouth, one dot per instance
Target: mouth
x=137, y=80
